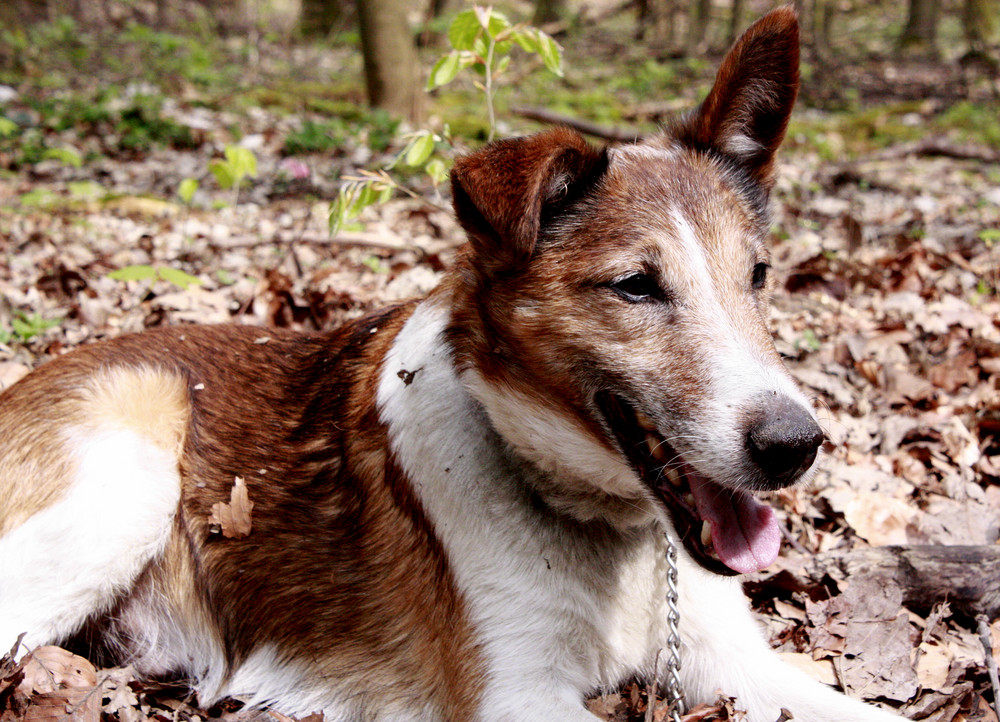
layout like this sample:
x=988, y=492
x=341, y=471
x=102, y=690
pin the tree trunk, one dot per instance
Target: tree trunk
x=920, y=33
x=979, y=20
x=735, y=21
x=699, y=15
x=390, y=57
x=549, y=11
x=656, y=23
x=318, y=17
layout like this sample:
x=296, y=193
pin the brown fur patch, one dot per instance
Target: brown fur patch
x=342, y=571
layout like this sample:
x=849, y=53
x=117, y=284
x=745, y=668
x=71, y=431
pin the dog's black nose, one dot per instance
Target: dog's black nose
x=784, y=441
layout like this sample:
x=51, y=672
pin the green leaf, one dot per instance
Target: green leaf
x=374, y=263
x=497, y=25
x=550, y=52
x=242, y=162
x=420, y=150
x=37, y=198
x=186, y=189
x=225, y=277
x=989, y=236
x=527, y=39
x=464, y=30
x=133, y=273
x=444, y=70
x=501, y=66
x=178, y=277
x=64, y=155
x=437, y=171
x=85, y=190
x=7, y=127
x=223, y=173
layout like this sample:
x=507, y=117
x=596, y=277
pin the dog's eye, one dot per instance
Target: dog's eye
x=637, y=287
x=759, y=277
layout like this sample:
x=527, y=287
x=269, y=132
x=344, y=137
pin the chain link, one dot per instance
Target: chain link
x=675, y=692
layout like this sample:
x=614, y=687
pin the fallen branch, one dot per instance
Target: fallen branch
x=983, y=624
x=968, y=577
x=941, y=147
x=623, y=135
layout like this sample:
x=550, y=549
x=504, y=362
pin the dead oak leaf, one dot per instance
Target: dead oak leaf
x=61, y=685
x=233, y=519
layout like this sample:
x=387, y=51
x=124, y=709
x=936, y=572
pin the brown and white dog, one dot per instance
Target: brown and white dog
x=459, y=503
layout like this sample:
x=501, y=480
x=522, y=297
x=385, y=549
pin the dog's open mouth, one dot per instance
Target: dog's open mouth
x=726, y=530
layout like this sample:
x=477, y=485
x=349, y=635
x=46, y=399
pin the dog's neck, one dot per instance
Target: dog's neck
x=549, y=456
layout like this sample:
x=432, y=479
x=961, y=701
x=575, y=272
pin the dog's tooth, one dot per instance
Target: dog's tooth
x=689, y=500
x=645, y=422
x=706, y=533
x=673, y=476
x=657, y=448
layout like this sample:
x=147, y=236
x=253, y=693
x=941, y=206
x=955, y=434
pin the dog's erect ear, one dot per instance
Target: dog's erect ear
x=746, y=112
x=502, y=192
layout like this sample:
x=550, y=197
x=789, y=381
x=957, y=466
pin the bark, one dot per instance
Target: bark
x=979, y=21
x=656, y=23
x=967, y=577
x=549, y=11
x=735, y=21
x=697, y=39
x=920, y=33
x=318, y=17
x=390, y=57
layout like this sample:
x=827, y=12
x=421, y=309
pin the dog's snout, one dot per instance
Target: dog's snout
x=783, y=441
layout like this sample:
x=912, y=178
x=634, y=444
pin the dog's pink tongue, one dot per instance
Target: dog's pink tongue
x=745, y=533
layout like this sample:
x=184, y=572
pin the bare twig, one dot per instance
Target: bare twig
x=542, y=115
x=991, y=662
x=941, y=147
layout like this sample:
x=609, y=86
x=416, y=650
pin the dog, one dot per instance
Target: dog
x=461, y=506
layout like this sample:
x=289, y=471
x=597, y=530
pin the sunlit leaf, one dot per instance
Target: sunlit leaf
x=437, y=171
x=64, y=155
x=420, y=150
x=464, y=30
x=133, y=273
x=186, y=189
x=551, y=55
x=527, y=39
x=444, y=70
x=178, y=277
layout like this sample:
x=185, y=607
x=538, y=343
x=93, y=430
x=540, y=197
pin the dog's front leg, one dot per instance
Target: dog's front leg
x=724, y=649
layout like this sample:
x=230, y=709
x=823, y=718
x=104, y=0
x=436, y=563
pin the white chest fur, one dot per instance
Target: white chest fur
x=557, y=605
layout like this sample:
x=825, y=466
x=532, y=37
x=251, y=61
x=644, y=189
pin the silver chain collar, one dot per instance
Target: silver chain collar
x=675, y=693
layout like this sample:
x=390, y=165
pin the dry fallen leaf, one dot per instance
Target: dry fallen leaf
x=233, y=519
x=61, y=686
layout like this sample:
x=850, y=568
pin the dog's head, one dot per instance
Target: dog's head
x=611, y=313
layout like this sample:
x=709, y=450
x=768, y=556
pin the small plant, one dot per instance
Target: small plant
x=186, y=190
x=315, y=137
x=141, y=272
x=25, y=327
x=66, y=156
x=239, y=164
x=482, y=39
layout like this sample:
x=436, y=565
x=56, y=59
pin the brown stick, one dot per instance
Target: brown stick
x=983, y=625
x=968, y=577
x=622, y=135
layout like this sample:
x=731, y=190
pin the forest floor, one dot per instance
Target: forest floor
x=887, y=310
